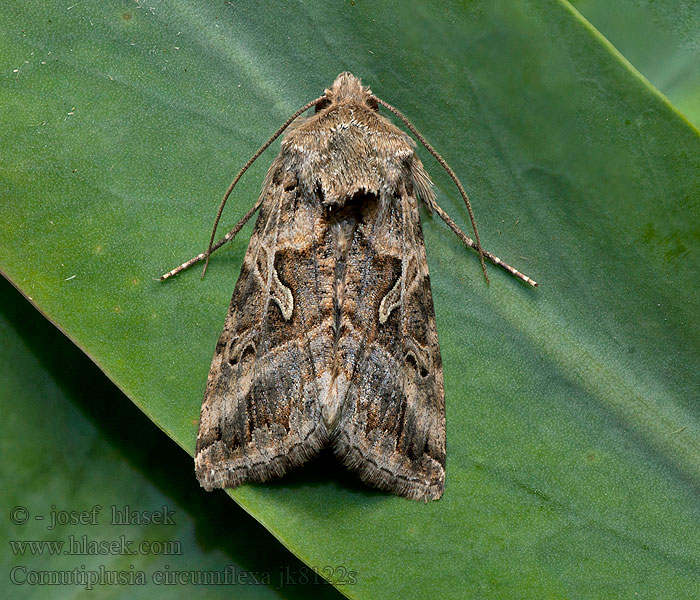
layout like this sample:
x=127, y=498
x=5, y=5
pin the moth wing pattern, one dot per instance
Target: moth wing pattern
x=330, y=338
x=260, y=415
x=392, y=427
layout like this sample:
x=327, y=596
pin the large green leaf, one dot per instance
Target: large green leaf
x=73, y=447
x=573, y=461
x=661, y=38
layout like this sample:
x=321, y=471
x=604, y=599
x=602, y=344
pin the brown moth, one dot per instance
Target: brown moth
x=330, y=338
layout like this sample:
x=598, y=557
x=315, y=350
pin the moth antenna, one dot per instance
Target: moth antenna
x=450, y=172
x=262, y=149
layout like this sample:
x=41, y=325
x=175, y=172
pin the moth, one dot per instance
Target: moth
x=330, y=338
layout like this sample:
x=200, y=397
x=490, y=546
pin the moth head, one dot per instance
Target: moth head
x=347, y=88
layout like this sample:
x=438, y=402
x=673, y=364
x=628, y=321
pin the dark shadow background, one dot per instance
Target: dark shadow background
x=220, y=523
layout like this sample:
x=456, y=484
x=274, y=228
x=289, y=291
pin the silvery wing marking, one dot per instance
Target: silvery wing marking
x=261, y=413
x=391, y=428
x=330, y=338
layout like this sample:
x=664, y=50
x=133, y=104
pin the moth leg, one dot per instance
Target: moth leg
x=227, y=238
x=445, y=217
x=487, y=255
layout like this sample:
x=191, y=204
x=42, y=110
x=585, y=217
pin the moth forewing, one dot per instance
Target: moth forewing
x=330, y=338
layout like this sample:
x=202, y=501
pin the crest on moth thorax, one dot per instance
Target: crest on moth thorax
x=330, y=338
x=347, y=148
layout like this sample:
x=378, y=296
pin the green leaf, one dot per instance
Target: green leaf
x=78, y=457
x=572, y=415
x=661, y=38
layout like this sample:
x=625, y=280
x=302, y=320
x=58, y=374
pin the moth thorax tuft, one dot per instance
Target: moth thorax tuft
x=348, y=87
